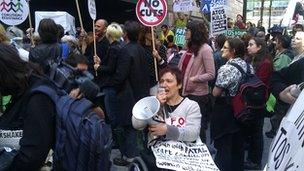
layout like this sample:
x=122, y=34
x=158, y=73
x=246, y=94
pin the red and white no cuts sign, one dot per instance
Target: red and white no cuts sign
x=151, y=12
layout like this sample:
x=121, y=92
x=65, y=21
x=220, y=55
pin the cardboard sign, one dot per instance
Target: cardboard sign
x=235, y=32
x=63, y=18
x=182, y=5
x=176, y=155
x=218, y=20
x=180, y=36
x=287, y=148
x=13, y=12
x=151, y=12
x=92, y=9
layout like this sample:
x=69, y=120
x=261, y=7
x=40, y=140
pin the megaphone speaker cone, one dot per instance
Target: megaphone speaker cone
x=146, y=108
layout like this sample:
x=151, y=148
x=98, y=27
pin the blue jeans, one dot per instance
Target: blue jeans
x=111, y=105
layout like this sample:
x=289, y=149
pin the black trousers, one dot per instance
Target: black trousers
x=254, y=139
x=202, y=102
x=230, y=152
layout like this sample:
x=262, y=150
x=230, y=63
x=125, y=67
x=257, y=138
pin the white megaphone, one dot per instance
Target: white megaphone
x=143, y=112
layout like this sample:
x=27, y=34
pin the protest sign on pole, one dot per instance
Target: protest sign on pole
x=176, y=155
x=151, y=13
x=235, y=32
x=79, y=15
x=218, y=20
x=205, y=6
x=92, y=11
x=182, y=5
x=31, y=24
x=287, y=148
x=13, y=12
x=180, y=39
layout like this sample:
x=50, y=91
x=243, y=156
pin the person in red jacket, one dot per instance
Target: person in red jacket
x=263, y=69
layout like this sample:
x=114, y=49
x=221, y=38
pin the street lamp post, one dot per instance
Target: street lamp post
x=270, y=10
x=262, y=11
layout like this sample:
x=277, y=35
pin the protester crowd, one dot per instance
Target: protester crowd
x=199, y=80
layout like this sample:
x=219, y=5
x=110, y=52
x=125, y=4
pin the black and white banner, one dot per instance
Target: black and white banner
x=181, y=156
x=286, y=151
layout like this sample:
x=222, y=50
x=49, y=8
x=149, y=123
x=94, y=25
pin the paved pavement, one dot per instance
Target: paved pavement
x=267, y=143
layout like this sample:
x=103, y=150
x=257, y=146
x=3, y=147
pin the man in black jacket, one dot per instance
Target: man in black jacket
x=102, y=44
x=132, y=81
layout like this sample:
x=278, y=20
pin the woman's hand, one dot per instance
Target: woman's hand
x=285, y=95
x=97, y=60
x=161, y=96
x=158, y=129
x=192, y=79
x=156, y=55
x=96, y=66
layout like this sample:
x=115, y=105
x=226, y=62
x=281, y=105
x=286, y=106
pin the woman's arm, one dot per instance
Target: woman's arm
x=217, y=91
x=209, y=69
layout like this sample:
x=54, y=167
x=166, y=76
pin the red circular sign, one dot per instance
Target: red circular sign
x=151, y=12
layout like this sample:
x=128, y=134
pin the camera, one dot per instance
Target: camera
x=67, y=77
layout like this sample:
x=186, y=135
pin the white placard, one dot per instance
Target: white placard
x=182, y=5
x=13, y=12
x=66, y=20
x=92, y=9
x=10, y=138
x=218, y=20
x=180, y=156
x=151, y=12
x=286, y=151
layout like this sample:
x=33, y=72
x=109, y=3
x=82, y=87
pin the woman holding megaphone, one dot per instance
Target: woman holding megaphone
x=179, y=118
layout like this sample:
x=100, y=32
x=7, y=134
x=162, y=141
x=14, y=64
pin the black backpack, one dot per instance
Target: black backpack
x=250, y=100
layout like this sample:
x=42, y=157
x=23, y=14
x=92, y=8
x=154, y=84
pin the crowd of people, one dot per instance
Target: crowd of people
x=198, y=79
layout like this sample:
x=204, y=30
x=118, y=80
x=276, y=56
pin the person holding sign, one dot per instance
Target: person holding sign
x=180, y=117
x=102, y=44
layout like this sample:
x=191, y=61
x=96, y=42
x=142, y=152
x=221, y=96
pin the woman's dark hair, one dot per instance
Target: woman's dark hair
x=261, y=54
x=285, y=41
x=199, y=35
x=174, y=71
x=48, y=31
x=60, y=31
x=142, y=34
x=14, y=72
x=238, y=46
x=132, y=29
x=220, y=41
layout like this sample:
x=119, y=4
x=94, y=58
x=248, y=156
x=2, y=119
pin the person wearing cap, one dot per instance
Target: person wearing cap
x=165, y=33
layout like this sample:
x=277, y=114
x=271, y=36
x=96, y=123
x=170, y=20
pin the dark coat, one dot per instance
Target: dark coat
x=108, y=66
x=293, y=74
x=131, y=79
x=101, y=51
x=45, y=54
